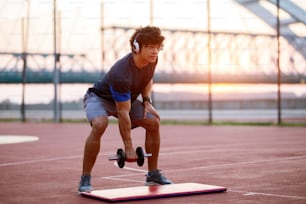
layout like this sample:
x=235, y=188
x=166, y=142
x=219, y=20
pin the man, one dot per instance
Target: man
x=116, y=95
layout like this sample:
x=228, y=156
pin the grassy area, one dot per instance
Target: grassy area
x=232, y=123
x=175, y=122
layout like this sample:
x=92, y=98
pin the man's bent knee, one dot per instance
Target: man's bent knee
x=153, y=123
x=99, y=124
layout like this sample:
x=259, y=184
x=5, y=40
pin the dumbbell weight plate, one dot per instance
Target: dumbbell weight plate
x=121, y=158
x=140, y=154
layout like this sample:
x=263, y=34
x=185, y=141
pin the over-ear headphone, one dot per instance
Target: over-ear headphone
x=136, y=46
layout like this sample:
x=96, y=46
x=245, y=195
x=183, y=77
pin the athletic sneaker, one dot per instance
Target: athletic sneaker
x=156, y=178
x=85, y=184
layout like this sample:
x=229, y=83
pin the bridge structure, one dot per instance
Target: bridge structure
x=235, y=58
x=189, y=56
x=292, y=13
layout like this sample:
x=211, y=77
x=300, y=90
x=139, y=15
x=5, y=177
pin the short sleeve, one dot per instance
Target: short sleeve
x=120, y=90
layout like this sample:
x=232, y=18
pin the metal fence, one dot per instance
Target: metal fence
x=235, y=58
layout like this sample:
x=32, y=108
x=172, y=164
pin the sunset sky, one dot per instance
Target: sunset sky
x=81, y=21
x=82, y=18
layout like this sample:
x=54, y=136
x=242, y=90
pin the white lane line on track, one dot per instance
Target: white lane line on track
x=248, y=193
x=196, y=151
x=131, y=169
x=120, y=179
x=80, y=156
x=192, y=168
x=219, y=165
x=245, y=193
x=240, y=163
x=38, y=161
x=45, y=160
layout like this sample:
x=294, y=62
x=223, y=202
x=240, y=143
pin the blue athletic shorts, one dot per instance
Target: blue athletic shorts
x=96, y=106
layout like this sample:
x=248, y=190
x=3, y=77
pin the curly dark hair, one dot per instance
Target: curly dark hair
x=149, y=35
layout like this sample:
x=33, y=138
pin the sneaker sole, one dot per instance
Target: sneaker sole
x=152, y=183
x=80, y=192
x=87, y=190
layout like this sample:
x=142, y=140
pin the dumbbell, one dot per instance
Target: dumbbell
x=121, y=158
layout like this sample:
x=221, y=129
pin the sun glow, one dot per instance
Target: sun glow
x=80, y=21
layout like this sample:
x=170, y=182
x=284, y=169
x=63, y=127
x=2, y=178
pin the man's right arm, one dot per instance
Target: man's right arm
x=124, y=121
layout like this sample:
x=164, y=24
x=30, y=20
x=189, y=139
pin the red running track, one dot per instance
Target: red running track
x=255, y=164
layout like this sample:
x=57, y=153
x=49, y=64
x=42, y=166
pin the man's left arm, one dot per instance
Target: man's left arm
x=148, y=89
x=146, y=94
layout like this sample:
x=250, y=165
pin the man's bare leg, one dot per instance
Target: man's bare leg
x=152, y=141
x=152, y=144
x=92, y=145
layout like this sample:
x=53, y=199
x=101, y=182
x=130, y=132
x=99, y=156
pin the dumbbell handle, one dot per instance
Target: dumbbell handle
x=115, y=157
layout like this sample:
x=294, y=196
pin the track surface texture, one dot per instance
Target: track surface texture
x=257, y=164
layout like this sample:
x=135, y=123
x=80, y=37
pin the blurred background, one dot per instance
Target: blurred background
x=223, y=60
